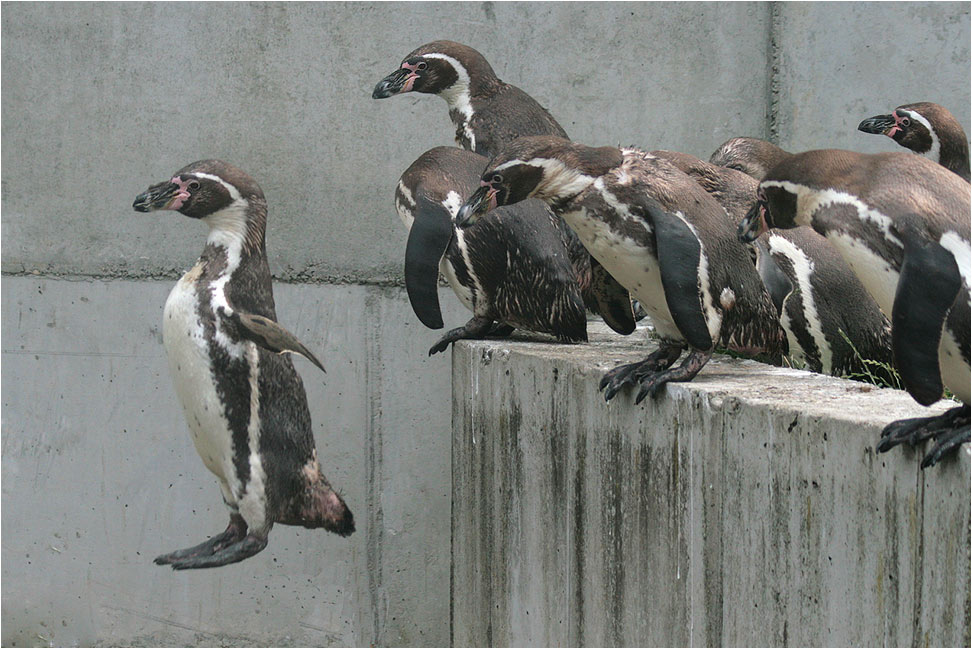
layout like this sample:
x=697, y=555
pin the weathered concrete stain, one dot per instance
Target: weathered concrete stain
x=723, y=513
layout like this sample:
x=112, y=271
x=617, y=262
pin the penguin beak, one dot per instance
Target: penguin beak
x=753, y=224
x=158, y=197
x=398, y=81
x=879, y=125
x=482, y=201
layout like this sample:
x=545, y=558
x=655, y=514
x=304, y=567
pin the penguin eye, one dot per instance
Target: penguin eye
x=421, y=65
x=193, y=185
x=497, y=179
x=905, y=122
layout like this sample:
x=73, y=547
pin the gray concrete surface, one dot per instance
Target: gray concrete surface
x=102, y=99
x=841, y=62
x=746, y=508
x=100, y=476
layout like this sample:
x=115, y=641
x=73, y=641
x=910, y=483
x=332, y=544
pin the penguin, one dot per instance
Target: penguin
x=750, y=155
x=927, y=129
x=488, y=114
x=244, y=402
x=659, y=234
x=832, y=324
x=512, y=272
x=902, y=224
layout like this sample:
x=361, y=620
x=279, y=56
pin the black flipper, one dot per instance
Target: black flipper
x=428, y=239
x=927, y=287
x=613, y=301
x=267, y=334
x=679, y=254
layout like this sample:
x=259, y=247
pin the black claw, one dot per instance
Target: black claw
x=945, y=445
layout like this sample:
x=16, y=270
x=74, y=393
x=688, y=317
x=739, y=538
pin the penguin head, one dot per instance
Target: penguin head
x=438, y=68
x=219, y=194
x=910, y=125
x=199, y=190
x=546, y=167
x=775, y=207
x=752, y=156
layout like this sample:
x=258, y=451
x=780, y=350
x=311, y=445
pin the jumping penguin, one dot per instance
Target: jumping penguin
x=902, y=224
x=659, y=234
x=244, y=402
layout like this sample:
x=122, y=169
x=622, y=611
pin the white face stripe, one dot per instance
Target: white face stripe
x=810, y=199
x=457, y=95
x=233, y=191
x=934, y=153
x=804, y=268
x=559, y=181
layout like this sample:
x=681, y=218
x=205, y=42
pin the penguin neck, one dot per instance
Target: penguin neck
x=954, y=155
x=239, y=228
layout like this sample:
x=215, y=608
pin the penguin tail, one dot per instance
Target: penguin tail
x=324, y=507
x=318, y=505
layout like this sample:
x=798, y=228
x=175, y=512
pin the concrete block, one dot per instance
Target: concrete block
x=747, y=507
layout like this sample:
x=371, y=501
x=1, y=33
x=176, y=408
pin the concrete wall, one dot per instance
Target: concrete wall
x=100, y=476
x=746, y=508
x=101, y=100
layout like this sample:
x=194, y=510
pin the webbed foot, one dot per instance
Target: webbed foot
x=652, y=384
x=235, y=531
x=476, y=328
x=615, y=379
x=951, y=430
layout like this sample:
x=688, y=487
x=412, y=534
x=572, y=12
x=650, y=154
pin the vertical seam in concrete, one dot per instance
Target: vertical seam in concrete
x=452, y=499
x=376, y=526
x=916, y=639
x=774, y=59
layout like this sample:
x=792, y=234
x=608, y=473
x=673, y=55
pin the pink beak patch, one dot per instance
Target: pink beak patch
x=897, y=125
x=179, y=199
x=410, y=79
x=490, y=195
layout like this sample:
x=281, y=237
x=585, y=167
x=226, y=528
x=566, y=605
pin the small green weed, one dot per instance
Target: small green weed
x=883, y=375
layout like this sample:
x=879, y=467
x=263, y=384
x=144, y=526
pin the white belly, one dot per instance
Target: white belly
x=189, y=365
x=955, y=371
x=881, y=281
x=630, y=264
x=876, y=274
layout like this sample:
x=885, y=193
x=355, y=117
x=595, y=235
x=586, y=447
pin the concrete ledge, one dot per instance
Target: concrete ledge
x=745, y=508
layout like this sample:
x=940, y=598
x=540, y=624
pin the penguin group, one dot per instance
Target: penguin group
x=839, y=262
